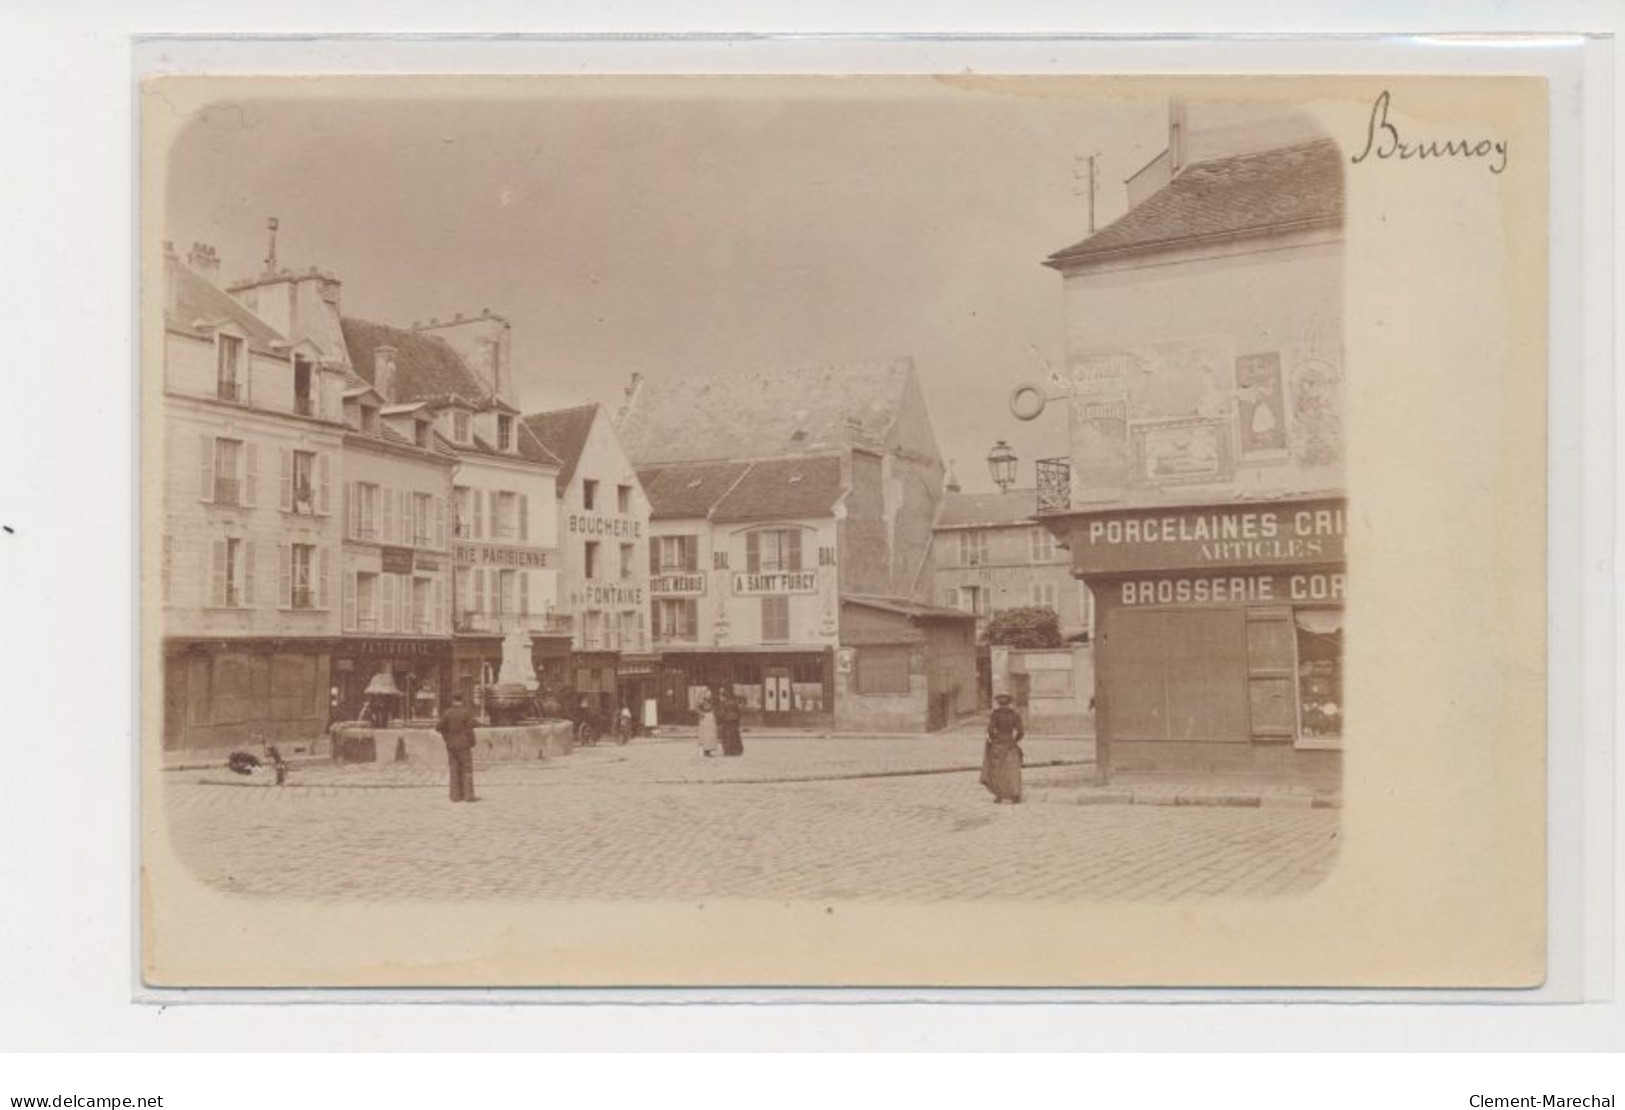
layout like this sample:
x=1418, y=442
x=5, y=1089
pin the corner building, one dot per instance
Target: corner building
x=1203, y=498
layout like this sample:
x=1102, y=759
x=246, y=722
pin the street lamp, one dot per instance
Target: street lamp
x=1001, y=465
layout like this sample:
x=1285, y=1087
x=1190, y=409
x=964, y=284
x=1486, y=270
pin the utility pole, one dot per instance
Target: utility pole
x=270, y=259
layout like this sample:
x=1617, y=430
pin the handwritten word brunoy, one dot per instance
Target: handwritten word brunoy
x=1382, y=139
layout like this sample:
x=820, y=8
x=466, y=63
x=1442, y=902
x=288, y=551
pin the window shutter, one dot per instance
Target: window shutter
x=284, y=459
x=478, y=496
x=753, y=553
x=206, y=455
x=321, y=485
x=479, y=590
x=217, y=579
x=284, y=573
x=524, y=518
x=321, y=580
x=795, y=548
x=524, y=592
x=403, y=519
x=439, y=617
x=407, y=586
x=388, y=534
x=691, y=553
x=249, y=572
x=439, y=521
x=386, y=586
x=251, y=478
x=352, y=511
x=349, y=599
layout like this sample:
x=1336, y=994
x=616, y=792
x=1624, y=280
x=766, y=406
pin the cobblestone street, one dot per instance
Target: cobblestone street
x=801, y=818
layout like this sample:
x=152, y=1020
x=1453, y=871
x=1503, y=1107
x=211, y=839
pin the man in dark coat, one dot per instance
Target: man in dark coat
x=728, y=715
x=1001, y=760
x=457, y=730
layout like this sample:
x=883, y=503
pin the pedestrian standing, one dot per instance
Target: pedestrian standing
x=728, y=715
x=708, y=724
x=1001, y=759
x=456, y=727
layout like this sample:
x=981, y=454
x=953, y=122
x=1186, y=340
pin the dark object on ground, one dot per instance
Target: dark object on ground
x=243, y=763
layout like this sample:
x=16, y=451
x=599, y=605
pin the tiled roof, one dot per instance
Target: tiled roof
x=987, y=510
x=561, y=435
x=426, y=366
x=782, y=489
x=763, y=413
x=197, y=301
x=1255, y=193
x=687, y=490
x=914, y=610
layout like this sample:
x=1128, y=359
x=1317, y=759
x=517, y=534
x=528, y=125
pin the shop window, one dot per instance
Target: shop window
x=775, y=620
x=1320, y=676
x=807, y=671
x=882, y=669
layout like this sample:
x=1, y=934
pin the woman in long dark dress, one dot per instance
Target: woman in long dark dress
x=1001, y=760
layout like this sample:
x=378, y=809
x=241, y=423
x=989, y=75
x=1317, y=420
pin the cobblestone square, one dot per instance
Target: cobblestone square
x=803, y=818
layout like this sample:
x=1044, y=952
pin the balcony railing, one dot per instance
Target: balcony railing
x=1054, y=485
x=227, y=491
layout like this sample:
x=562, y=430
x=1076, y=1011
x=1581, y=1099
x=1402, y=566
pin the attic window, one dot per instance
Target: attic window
x=459, y=427
x=420, y=432
x=369, y=419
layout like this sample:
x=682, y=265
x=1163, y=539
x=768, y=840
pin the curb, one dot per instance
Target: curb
x=1143, y=797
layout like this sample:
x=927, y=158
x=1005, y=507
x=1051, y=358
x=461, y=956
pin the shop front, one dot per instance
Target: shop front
x=391, y=678
x=1220, y=638
x=637, y=680
x=245, y=693
x=476, y=661
x=775, y=688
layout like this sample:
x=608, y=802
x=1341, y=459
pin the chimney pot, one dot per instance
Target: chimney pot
x=383, y=371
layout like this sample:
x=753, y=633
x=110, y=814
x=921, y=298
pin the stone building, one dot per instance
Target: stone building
x=1203, y=495
x=454, y=380
x=790, y=532
x=603, y=558
x=249, y=548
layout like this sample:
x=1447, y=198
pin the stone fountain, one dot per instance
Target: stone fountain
x=513, y=698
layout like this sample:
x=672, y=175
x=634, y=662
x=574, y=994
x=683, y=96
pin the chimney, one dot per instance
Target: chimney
x=496, y=368
x=950, y=482
x=204, y=262
x=630, y=392
x=383, y=371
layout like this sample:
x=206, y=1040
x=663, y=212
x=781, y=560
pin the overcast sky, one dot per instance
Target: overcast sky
x=683, y=227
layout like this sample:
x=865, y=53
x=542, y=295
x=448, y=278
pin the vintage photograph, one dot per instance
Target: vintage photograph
x=828, y=493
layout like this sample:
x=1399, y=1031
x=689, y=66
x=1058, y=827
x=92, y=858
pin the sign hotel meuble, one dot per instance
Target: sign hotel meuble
x=1252, y=535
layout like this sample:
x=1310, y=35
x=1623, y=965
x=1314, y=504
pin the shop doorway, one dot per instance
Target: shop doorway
x=777, y=692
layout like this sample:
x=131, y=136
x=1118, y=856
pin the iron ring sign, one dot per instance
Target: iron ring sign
x=1027, y=401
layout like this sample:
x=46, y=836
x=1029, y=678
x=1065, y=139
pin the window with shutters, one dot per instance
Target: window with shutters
x=630, y=640
x=882, y=669
x=629, y=559
x=504, y=515
x=300, y=496
x=677, y=554
x=589, y=559
x=304, y=396
x=232, y=574
x=422, y=520
x=301, y=576
x=366, y=601
x=1042, y=545
x=973, y=549
x=228, y=471
x=462, y=512
x=506, y=601
x=423, y=609
x=773, y=549
x=364, y=511
x=592, y=629
x=504, y=433
x=229, y=367
x=775, y=620
x=675, y=619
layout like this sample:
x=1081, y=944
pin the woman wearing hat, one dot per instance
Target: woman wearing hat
x=1001, y=760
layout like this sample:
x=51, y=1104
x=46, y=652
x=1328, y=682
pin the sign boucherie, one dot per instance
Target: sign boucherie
x=504, y=555
x=776, y=582
x=1228, y=536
